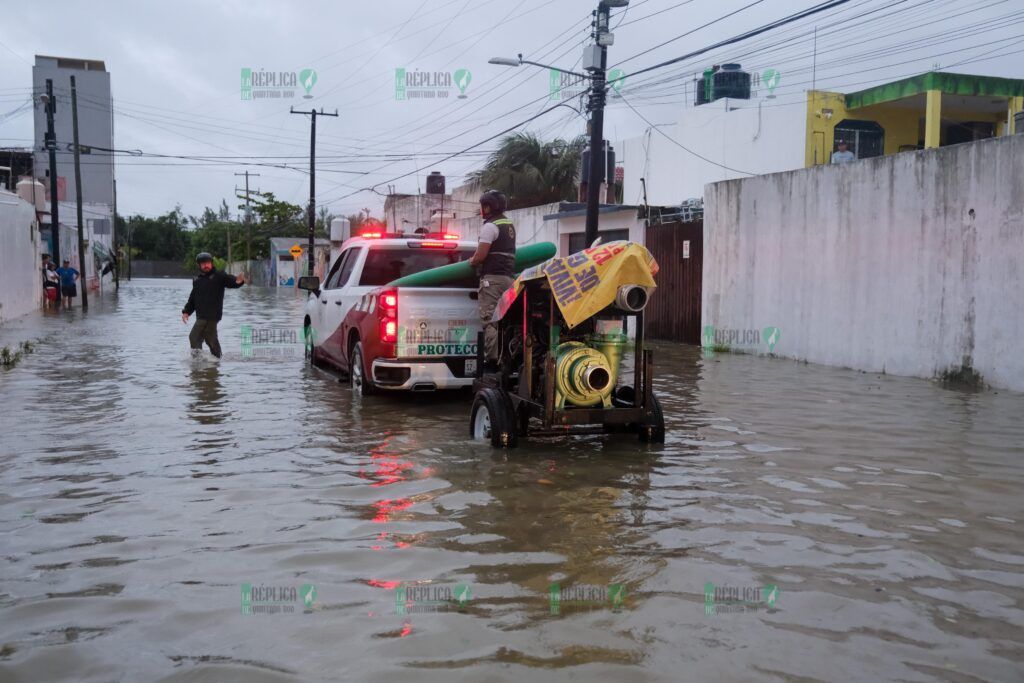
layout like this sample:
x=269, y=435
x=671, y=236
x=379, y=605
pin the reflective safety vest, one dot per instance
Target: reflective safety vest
x=501, y=259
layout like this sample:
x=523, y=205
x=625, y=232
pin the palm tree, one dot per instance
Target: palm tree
x=531, y=172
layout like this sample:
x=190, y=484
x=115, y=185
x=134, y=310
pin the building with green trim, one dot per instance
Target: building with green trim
x=930, y=110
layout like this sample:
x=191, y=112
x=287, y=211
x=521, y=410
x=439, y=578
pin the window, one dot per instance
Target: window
x=384, y=264
x=864, y=138
x=346, y=268
x=578, y=240
x=331, y=282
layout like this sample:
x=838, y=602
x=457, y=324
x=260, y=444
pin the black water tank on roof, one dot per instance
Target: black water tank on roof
x=731, y=81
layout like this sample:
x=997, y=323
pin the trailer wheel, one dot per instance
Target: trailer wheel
x=493, y=419
x=652, y=429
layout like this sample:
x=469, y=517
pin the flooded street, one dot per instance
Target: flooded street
x=852, y=526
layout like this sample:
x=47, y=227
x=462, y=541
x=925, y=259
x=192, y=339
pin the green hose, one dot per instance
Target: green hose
x=526, y=257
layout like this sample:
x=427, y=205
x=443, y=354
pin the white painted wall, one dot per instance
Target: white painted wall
x=757, y=136
x=21, y=280
x=878, y=265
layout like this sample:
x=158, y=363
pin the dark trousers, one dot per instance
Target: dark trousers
x=205, y=331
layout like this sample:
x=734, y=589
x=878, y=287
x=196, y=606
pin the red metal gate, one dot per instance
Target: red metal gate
x=674, y=311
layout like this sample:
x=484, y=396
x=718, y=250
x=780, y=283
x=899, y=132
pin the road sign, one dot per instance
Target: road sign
x=295, y=251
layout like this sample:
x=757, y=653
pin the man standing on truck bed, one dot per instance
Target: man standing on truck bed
x=207, y=302
x=496, y=258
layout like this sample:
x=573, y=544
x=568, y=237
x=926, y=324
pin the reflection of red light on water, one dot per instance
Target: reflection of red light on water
x=385, y=508
x=389, y=585
x=406, y=630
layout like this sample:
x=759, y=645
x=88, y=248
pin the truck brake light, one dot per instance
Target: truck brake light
x=387, y=312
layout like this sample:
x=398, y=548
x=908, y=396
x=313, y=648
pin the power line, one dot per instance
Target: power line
x=681, y=145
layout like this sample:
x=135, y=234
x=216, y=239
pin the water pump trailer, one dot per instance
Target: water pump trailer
x=562, y=332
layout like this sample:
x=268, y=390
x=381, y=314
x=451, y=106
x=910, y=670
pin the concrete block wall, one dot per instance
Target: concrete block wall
x=910, y=264
x=21, y=279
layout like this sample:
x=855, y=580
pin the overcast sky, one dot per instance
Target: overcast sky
x=175, y=71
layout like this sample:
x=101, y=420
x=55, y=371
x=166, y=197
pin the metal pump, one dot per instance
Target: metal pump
x=585, y=374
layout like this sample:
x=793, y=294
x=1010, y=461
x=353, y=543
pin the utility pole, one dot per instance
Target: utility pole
x=248, y=219
x=394, y=213
x=78, y=197
x=596, y=62
x=128, y=226
x=113, y=240
x=311, y=212
x=51, y=146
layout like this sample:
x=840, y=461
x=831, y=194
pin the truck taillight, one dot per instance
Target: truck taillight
x=387, y=312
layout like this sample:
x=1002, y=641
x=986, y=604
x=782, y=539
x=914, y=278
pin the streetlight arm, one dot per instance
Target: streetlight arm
x=508, y=61
x=555, y=68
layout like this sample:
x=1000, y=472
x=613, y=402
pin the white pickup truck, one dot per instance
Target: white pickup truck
x=394, y=338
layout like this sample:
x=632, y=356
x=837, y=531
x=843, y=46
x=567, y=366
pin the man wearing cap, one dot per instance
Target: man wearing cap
x=207, y=302
x=843, y=155
x=495, y=257
x=68, y=278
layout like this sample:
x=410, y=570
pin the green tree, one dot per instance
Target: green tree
x=531, y=172
x=165, y=238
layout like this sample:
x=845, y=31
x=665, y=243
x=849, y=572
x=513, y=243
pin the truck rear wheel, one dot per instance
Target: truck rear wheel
x=358, y=380
x=493, y=419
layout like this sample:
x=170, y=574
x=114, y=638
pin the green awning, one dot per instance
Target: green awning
x=947, y=83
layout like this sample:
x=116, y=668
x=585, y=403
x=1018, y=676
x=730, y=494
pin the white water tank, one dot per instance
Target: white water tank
x=340, y=230
x=25, y=189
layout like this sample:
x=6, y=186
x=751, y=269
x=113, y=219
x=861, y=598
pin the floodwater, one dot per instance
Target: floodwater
x=140, y=489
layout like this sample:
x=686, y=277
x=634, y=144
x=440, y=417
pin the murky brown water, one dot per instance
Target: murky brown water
x=139, y=489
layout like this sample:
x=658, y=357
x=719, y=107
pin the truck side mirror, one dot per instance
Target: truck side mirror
x=310, y=283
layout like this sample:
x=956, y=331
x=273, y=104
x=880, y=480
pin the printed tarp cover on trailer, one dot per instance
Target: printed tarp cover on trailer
x=586, y=282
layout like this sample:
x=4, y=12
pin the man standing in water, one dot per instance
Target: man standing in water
x=207, y=302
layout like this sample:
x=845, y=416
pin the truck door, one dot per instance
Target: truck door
x=332, y=305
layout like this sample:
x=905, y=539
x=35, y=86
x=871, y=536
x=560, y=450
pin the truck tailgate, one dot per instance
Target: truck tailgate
x=434, y=321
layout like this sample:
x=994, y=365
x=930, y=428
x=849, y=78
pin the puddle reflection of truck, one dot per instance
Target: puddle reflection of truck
x=394, y=338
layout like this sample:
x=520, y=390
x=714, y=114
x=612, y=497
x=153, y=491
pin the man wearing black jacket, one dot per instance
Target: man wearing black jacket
x=207, y=302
